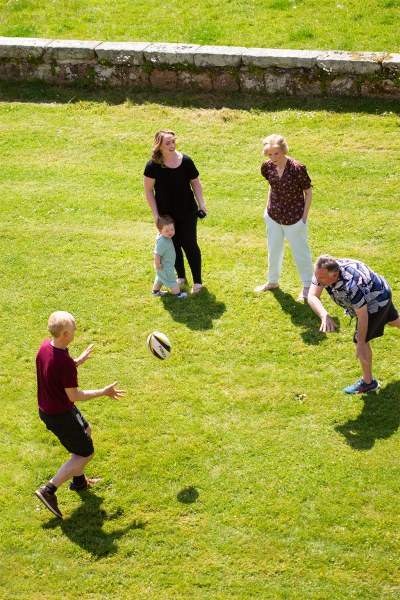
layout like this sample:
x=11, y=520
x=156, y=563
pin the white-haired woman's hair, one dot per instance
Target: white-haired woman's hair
x=275, y=141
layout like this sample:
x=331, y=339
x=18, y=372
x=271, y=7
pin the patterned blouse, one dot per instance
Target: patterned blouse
x=356, y=286
x=286, y=203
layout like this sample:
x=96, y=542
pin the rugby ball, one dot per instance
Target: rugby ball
x=159, y=345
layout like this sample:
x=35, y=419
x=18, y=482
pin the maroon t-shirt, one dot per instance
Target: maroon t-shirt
x=286, y=204
x=55, y=370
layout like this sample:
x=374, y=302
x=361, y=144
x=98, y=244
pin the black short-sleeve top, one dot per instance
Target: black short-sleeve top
x=172, y=190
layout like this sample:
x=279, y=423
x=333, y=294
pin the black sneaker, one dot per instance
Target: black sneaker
x=49, y=500
x=74, y=487
x=159, y=293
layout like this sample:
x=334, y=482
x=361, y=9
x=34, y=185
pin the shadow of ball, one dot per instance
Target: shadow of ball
x=188, y=495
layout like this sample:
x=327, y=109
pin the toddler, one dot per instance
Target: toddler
x=164, y=259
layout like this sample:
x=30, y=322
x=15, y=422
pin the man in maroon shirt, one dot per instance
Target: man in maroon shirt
x=57, y=380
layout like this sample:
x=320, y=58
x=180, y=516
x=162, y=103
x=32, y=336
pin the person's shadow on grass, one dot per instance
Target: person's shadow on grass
x=188, y=495
x=301, y=316
x=197, y=311
x=379, y=419
x=84, y=526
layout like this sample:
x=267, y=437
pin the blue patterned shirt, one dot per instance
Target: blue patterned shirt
x=356, y=286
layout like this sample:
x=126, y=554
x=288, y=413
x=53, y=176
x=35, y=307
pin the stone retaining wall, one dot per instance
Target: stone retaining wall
x=149, y=66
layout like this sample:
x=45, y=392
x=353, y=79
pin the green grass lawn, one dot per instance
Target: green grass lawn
x=354, y=25
x=237, y=468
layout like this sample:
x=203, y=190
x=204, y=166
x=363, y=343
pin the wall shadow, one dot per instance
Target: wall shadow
x=84, y=526
x=378, y=420
x=40, y=92
x=197, y=311
x=302, y=317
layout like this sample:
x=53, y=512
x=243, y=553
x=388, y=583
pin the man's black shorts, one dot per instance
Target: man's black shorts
x=378, y=320
x=70, y=428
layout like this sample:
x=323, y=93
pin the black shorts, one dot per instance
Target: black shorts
x=378, y=320
x=70, y=428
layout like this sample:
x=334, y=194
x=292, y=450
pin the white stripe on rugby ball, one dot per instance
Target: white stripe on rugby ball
x=159, y=345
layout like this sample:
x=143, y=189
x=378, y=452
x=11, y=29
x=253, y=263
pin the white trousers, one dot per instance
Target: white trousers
x=296, y=235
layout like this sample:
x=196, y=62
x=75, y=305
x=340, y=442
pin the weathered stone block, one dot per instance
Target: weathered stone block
x=225, y=82
x=278, y=83
x=306, y=84
x=359, y=63
x=71, y=51
x=10, y=71
x=218, y=56
x=287, y=59
x=385, y=88
x=18, y=48
x=170, y=54
x=122, y=53
x=74, y=73
x=251, y=82
x=24, y=71
x=41, y=72
x=188, y=80
x=163, y=80
x=391, y=65
x=105, y=75
x=342, y=86
x=137, y=78
x=185, y=80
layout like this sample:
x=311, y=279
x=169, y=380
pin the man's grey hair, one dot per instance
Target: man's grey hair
x=326, y=261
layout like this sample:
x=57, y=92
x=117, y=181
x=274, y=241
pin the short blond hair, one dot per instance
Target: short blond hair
x=59, y=321
x=275, y=141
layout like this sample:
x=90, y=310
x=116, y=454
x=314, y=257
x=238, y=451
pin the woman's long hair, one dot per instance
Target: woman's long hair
x=158, y=139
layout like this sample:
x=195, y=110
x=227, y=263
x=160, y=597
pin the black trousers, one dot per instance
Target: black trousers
x=185, y=240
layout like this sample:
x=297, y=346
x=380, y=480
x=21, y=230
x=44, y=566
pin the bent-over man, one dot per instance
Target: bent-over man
x=364, y=295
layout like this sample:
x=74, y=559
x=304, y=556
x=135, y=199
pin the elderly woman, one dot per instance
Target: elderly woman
x=172, y=186
x=289, y=200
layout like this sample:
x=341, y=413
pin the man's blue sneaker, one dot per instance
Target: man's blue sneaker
x=360, y=387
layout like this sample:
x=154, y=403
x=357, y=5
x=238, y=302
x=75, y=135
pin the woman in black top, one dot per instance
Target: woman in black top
x=172, y=186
